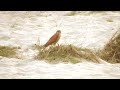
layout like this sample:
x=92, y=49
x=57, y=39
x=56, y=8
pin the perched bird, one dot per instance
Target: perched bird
x=54, y=39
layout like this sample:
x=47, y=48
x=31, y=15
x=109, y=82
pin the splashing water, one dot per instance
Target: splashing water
x=89, y=31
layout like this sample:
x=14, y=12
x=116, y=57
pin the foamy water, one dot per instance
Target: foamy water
x=91, y=31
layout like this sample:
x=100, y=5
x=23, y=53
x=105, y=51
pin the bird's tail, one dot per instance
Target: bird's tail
x=46, y=45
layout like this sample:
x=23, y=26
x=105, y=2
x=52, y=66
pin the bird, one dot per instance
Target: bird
x=54, y=39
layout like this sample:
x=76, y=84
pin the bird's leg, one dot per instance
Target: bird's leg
x=58, y=44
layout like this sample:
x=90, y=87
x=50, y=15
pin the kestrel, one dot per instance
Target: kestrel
x=54, y=39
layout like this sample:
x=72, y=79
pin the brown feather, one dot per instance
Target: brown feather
x=54, y=39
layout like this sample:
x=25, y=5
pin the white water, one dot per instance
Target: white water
x=83, y=30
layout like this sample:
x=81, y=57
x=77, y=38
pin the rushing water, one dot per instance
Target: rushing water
x=83, y=30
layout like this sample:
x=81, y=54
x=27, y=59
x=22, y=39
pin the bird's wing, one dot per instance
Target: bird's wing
x=52, y=39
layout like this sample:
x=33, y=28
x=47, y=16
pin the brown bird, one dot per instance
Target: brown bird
x=54, y=39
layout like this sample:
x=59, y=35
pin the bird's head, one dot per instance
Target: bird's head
x=58, y=31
